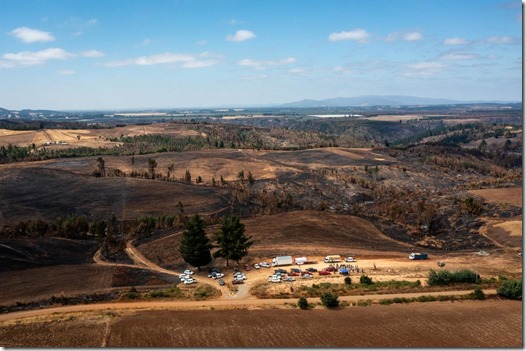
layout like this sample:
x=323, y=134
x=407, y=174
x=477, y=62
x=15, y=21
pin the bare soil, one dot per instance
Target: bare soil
x=52, y=193
x=511, y=196
x=490, y=323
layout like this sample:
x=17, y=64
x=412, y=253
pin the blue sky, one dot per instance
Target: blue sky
x=117, y=54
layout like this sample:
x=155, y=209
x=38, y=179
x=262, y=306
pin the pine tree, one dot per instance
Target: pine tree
x=231, y=241
x=195, y=246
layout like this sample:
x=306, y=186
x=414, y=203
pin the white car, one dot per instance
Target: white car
x=183, y=275
x=350, y=259
x=256, y=266
x=189, y=281
x=306, y=276
x=188, y=272
x=275, y=280
x=217, y=275
x=264, y=264
x=240, y=276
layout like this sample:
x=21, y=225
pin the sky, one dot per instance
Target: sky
x=140, y=54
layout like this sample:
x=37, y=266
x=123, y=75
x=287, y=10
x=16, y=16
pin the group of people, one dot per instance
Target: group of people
x=350, y=267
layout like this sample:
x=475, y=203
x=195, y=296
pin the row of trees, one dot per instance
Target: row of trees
x=230, y=241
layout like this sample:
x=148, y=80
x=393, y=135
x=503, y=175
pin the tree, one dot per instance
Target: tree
x=329, y=300
x=195, y=246
x=511, y=289
x=365, y=280
x=101, y=169
x=250, y=177
x=303, y=303
x=152, y=164
x=241, y=175
x=483, y=145
x=198, y=180
x=187, y=176
x=231, y=241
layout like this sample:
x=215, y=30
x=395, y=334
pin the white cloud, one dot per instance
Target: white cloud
x=297, y=71
x=342, y=70
x=424, y=68
x=455, y=41
x=256, y=77
x=501, y=40
x=413, y=36
x=185, y=60
x=241, y=35
x=262, y=65
x=29, y=35
x=359, y=35
x=92, y=53
x=458, y=56
x=66, y=72
x=31, y=58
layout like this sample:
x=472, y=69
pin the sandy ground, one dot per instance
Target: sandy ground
x=511, y=196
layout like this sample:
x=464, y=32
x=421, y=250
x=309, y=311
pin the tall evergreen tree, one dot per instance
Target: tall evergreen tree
x=195, y=246
x=231, y=241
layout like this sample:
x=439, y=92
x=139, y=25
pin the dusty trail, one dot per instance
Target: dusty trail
x=190, y=305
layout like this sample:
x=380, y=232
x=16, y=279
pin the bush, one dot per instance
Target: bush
x=511, y=289
x=347, y=280
x=365, y=280
x=478, y=294
x=302, y=303
x=445, y=277
x=329, y=300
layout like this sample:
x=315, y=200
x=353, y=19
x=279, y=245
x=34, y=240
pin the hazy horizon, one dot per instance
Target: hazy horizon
x=116, y=55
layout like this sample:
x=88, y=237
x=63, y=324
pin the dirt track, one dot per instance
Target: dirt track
x=490, y=323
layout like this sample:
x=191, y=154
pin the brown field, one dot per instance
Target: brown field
x=88, y=137
x=50, y=193
x=490, y=323
x=512, y=196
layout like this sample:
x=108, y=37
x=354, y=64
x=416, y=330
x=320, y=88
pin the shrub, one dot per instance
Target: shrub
x=347, y=280
x=365, y=280
x=511, y=289
x=329, y=300
x=302, y=303
x=445, y=277
x=478, y=294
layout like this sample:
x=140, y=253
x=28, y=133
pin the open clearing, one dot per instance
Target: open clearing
x=512, y=196
x=88, y=137
x=491, y=323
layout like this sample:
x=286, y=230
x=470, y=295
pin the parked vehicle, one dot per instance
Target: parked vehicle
x=240, y=276
x=344, y=271
x=217, y=275
x=247, y=267
x=330, y=269
x=294, y=274
x=237, y=281
x=306, y=276
x=350, y=259
x=295, y=270
x=183, y=275
x=281, y=271
x=265, y=264
x=188, y=272
x=418, y=256
x=324, y=272
x=289, y=279
x=300, y=260
x=332, y=258
x=275, y=279
x=190, y=281
x=311, y=269
x=221, y=282
x=282, y=261
x=256, y=266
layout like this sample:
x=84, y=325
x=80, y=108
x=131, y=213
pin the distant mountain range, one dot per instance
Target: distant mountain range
x=380, y=100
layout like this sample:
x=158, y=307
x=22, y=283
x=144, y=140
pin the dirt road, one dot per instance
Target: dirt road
x=216, y=304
